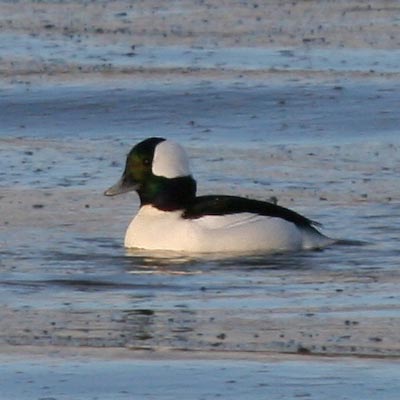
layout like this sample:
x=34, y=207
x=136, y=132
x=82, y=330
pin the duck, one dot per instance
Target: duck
x=172, y=217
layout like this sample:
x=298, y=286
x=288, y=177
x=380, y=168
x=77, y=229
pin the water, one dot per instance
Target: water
x=63, y=263
x=316, y=128
x=67, y=52
x=245, y=379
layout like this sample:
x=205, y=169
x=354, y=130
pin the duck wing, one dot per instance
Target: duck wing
x=223, y=205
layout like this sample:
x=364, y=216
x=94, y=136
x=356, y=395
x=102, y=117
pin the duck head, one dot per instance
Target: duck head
x=158, y=170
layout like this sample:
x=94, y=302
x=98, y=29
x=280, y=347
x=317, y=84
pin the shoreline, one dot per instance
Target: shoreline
x=49, y=352
x=78, y=41
x=141, y=77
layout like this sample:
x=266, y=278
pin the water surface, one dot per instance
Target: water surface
x=317, y=127
x=67, y=280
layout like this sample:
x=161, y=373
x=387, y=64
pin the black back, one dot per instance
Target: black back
x=221, y=205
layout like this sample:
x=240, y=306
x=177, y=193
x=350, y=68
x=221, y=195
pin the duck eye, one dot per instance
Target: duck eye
x=146, y=162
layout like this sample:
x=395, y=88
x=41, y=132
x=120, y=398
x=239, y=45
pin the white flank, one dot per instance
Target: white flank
x=153, y=229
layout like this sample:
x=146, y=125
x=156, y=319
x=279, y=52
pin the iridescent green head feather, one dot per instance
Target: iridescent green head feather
x=158, y=170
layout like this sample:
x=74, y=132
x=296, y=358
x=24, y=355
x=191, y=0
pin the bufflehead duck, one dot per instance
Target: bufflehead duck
x=172, y=217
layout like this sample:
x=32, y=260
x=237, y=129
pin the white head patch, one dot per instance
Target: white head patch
x=170, y=160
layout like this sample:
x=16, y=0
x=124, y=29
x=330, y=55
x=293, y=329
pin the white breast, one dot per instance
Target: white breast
x=153, y=229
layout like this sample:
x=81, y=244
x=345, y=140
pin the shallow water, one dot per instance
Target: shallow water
x=156, y=379
x=66, y=279
x=65, y=52
x=310, y=118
